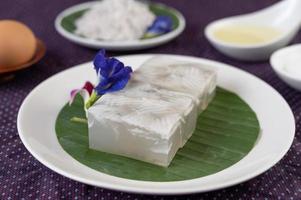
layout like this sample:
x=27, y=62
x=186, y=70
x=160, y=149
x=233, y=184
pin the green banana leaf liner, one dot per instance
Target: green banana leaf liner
x=226, y=132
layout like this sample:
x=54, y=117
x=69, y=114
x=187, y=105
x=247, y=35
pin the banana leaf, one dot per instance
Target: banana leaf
x=226, y=132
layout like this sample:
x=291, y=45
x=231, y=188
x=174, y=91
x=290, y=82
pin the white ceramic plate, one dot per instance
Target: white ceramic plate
x=117, y=45
x=37, y=115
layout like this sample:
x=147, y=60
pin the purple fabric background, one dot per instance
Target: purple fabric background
x=22, y=176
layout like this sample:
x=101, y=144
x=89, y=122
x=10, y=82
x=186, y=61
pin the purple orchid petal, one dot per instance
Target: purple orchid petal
x=85, y=92
x=73, y=94
x=89, y=87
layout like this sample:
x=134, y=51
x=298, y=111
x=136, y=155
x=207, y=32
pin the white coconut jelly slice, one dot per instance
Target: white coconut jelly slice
x=142, y=122
x=155, y=114
x=194, y=79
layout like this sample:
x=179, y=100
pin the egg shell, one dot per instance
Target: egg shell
x=17, y=43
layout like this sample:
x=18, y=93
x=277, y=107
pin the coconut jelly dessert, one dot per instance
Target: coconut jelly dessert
x=154, y=114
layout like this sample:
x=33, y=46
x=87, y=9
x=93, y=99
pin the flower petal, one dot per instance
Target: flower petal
x=85, y=92
x=89, y=87
x=101, y=64
x=104, y=83
x=116, y=82
x=111, y=73
x=116, y=65
x=119, y=75
x=73, y=94
x=99, y=60
x=161, y=25
x=118, y=85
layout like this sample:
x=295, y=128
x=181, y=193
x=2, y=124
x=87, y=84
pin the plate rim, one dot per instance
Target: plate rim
x=117, y=45
x=131, y=189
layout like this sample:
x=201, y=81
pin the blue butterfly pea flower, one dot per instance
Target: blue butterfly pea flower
x=112, y=74
x=161, y=25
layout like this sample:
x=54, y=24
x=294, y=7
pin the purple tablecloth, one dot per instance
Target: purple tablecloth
x=22, y=176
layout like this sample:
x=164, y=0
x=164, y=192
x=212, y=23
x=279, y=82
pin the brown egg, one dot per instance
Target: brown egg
x=17, y=43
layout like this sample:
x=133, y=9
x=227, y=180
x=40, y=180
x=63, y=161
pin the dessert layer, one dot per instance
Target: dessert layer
x=155, y=114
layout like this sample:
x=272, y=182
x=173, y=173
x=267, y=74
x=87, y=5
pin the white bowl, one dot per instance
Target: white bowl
x=256, y=52
x=117, y=45
x=279, y=62
x=284, y=16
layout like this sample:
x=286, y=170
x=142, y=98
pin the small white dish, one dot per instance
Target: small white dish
x=283, y=60
x=284, y=16
x=117, y=45
x=38, y=113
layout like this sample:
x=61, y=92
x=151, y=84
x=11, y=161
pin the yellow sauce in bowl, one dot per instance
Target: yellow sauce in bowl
x=246, y=34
